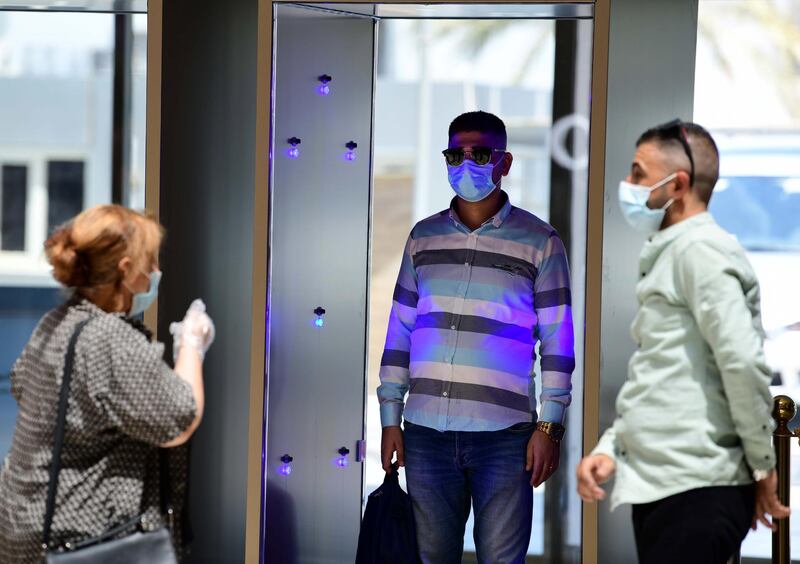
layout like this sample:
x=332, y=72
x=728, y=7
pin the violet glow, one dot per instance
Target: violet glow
x=324, y=88
x=350, y=155
x=293, y=152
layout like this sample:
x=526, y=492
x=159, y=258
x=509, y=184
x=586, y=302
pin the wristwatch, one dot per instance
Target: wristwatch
x=554, y=431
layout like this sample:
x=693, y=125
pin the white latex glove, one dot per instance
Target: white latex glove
x=196, y=330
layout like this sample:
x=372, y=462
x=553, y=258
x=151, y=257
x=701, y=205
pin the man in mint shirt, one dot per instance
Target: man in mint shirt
x=691, y=446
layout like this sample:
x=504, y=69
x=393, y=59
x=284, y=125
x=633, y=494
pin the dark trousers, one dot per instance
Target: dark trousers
x=702, y=526
x=448, y=472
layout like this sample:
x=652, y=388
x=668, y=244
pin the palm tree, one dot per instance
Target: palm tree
x=767, y=30
x=768, y=35
x=475, y=36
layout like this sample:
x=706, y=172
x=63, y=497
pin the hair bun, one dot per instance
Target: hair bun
x=86, y=252
x=64, y=257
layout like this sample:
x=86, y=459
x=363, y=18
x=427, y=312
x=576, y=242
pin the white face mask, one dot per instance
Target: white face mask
x=633, y=202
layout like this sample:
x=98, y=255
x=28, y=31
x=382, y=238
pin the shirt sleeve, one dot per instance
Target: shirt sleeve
x=141, y=395
x=607, y=444
x=394, y=371
x=552, y=301
x=714, y=291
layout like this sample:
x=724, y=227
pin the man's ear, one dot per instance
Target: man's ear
x=508, y=158
x=682, y=184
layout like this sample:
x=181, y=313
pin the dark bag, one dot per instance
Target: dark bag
x=388, y=534
x=136, y=547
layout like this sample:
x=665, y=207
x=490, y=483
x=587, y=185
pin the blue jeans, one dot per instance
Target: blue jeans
x=446, y=472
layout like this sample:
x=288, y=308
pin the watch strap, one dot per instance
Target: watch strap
x=554, y=431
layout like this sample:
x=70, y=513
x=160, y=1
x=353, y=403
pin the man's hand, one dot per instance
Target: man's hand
x=767, y=502
x=392, y=442
x=543, y=456
x=593, y=471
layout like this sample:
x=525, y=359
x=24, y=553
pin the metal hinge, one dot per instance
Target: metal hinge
x=361, y=450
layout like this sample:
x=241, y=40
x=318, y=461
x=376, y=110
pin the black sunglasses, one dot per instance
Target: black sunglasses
x=676, y=130
x=479, y=155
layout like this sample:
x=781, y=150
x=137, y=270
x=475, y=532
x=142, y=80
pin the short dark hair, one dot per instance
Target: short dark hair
x=704, y=154
x=479, y=121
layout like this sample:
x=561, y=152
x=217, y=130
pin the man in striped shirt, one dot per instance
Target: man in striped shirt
x=480, y=284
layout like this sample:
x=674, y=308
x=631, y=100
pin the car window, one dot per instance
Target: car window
x=762, y=212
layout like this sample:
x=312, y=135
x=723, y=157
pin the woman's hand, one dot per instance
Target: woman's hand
x=196, y=330
x=191, y=339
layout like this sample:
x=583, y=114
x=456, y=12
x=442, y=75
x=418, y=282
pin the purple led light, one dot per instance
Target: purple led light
x=324, y=88
x=293, y=151
x=285, y=469
x=342, y=462
x=350, y=155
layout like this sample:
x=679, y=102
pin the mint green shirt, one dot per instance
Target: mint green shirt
x=695, y=410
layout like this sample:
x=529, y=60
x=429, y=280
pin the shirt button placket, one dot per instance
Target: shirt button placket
x=447, y=389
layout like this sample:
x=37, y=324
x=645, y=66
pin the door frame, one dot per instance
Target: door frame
x=152, y=175
x=260, y=282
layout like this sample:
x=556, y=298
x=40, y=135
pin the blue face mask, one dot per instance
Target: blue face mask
x=472, y=182
x=144, y=300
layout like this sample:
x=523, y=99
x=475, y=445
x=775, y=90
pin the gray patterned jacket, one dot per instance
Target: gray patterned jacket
x=124, y=402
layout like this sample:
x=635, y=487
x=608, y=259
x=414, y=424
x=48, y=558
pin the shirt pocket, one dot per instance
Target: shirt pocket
x=514, y=278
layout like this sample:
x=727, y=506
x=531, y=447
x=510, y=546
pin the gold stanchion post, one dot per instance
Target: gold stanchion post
x=783, y=411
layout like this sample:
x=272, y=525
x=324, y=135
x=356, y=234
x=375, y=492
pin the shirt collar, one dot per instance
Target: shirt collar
x=496, y=220
x=660, y=240
x=85, y=304
x=666, y=236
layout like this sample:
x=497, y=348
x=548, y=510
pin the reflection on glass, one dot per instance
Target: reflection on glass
x=747, y=92
x=56, y=97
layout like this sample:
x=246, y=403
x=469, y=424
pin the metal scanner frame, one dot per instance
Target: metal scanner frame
x=261, y=245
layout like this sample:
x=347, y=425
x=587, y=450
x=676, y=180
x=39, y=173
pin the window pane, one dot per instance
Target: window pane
x=14, y=203
x=138, y=108
x=64, y=191
x=56, y=111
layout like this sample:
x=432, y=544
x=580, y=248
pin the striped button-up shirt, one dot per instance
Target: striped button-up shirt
x=469, y=308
